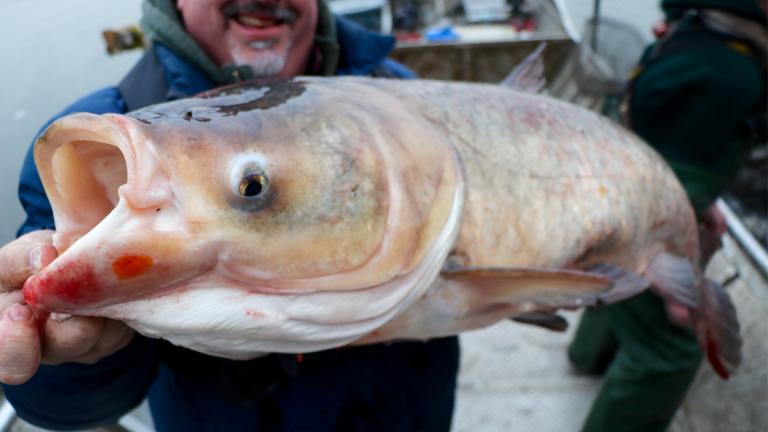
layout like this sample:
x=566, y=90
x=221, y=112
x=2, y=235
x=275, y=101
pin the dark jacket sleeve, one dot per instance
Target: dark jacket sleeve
x=363, y=52
x=692, y=107
x=76, y=396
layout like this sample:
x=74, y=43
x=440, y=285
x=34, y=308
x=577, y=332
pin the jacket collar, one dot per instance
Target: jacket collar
x=360, y=50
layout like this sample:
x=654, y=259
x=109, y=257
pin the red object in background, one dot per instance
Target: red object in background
x=660, y=29
x=408, y=36
x=524, y=25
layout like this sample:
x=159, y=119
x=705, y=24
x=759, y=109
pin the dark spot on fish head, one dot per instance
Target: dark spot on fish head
x=257, y=95
x=196, y=114
x=147, y=115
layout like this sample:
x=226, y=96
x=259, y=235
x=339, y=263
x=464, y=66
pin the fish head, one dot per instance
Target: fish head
x=257, y=192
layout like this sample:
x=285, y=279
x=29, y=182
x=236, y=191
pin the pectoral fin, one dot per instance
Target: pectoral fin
x=531, y=290
x=674, y=279
x=626, y=284
x=466, y=298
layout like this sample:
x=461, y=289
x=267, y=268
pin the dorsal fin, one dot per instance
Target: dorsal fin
x=528, y=75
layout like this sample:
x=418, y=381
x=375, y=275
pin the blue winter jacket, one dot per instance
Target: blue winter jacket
x=404, y=386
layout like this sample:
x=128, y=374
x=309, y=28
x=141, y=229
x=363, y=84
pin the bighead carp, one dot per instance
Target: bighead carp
x=313, y=213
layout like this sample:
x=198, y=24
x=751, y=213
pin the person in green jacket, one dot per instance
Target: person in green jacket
x=696, y=98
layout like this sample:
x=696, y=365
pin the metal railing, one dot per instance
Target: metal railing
x=745, y=239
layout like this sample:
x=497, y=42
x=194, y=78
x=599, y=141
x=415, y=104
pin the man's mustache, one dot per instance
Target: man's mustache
x=265, y=8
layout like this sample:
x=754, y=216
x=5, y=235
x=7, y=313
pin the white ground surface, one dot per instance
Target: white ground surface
x=517, y=378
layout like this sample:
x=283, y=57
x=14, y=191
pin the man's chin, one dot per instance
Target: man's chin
x=264, y=63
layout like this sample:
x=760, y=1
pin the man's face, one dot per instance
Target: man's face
x=274, y=37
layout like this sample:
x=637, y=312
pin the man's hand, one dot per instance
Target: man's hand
x=29, y=337
x=712, y=226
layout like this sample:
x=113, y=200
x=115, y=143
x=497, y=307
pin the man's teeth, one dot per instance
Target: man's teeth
x=263, y=44
x=252, y=21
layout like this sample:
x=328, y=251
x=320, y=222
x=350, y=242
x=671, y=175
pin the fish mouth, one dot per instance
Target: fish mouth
x=118, y=231
x=259, y=14
x=82, y=161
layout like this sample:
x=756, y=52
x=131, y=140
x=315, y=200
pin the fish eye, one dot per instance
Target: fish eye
x=252, y=185
x=249, y=182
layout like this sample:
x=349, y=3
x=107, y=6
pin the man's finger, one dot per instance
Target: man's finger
x=19, y=345
x=24, y=257
x=115, y=335
x=70, y=339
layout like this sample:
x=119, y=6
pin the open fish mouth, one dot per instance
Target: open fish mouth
x=119, y=232
x=89, y=166
x=83, y=168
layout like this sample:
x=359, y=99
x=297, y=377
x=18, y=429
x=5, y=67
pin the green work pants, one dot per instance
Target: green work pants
x=650, y=364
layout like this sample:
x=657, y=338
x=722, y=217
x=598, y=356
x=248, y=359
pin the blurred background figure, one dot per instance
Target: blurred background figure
x=698, y=96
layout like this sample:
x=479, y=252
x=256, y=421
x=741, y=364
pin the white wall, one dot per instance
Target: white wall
x=51, y=53
x=641, y=13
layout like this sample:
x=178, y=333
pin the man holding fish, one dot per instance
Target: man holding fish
x=77, y=372
x=246, y=221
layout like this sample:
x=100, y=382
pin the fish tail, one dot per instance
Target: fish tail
x=718, y=329
x=708, y=309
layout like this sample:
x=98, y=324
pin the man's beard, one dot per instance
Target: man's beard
x=265, y=63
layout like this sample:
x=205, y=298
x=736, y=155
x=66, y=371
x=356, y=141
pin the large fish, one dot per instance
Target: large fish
x=313, y=213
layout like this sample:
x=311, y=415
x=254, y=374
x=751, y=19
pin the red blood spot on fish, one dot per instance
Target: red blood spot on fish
x=714, y=359
x=129, y=266
x=73, y=282
x=30, y=293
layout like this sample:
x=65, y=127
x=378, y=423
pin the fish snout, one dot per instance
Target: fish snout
x=62, y=286
x=91, y=275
